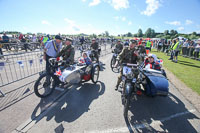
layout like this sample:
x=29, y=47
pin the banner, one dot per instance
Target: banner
x=2, y=65
x=20, y=64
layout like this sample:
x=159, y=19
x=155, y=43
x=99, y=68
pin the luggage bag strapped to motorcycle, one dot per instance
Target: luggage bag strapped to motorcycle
x=157, y=83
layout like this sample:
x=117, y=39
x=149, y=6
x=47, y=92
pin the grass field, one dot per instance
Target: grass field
x=186, y=69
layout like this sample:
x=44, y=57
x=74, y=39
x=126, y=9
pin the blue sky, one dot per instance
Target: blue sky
x=98, y=16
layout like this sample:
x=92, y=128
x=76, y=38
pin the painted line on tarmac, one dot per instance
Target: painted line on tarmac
x=141, y=126
x=24, y=127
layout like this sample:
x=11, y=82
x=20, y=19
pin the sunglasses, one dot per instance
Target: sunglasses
x=150, y=57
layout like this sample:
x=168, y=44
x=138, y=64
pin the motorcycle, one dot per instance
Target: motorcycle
x=137, y=80
x=72, y=74
x=114, y=60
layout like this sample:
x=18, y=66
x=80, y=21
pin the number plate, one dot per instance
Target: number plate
x=126, y=70
x=134, y=80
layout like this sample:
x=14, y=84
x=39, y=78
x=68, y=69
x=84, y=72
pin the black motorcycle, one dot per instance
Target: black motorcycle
x=114, y=61
x=130, y=84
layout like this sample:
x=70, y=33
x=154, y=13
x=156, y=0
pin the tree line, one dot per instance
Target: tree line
x=150, y=33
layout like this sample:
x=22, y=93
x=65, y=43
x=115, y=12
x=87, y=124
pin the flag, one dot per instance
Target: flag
x=2, y=64
x=58, y=72
x=20, y=64
x=41, y=60
x=160, y=61
x=31, y=62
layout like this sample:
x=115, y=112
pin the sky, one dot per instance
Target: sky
x=98, y=16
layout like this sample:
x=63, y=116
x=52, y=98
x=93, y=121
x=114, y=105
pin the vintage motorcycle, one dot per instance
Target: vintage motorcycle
x=114, y=60
x=137, y=80
x=72, y=74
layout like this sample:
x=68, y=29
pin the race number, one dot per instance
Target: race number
x=126, y=70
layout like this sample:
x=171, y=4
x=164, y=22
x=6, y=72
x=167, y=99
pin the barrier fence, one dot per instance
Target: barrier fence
x=18, y=66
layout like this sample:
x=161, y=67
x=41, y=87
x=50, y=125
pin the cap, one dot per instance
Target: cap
x=58, y=37
x=93, y=39
x=69, y=39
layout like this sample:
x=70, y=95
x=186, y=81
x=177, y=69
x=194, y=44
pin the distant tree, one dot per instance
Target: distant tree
x=172, y=32
x=166, y=32
x=135, y=35
x=129, y=34
x=148, y=32
x=153, y=34
x=106, y=33
x=94, y=35
x=175, y=32
x=140, y=34
x=194, y=33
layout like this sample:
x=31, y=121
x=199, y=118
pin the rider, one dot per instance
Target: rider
x=67, y=52
x=151, y=62
x=142, y=50
x=118, y=47
x=94, y=46
x=128, y=55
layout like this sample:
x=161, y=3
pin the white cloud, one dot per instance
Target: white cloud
x=116, y=17
x=46, y=22
x=72, y=25
x=152, y=6
x=74, y=28
x=94, y=2
x=120, y=18
x=119, y=4
x=173, y=23
x=83, y=0
x=180, y=28
x=123, y=18
x=187, y=22
x=129, y=23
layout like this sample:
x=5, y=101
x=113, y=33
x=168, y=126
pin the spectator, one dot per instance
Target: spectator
x=1, y=46
x=176, y=50
x=5, y=39
x=191, y=49
x=196, y=50
x=184, y=48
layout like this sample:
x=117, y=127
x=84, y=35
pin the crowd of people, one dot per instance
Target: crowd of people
x=185, y=47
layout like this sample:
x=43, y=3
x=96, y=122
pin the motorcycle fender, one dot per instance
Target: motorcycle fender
x=128, y=88
x=95, y=64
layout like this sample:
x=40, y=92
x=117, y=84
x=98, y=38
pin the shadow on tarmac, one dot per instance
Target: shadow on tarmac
x=76, y=103
x=166, y=113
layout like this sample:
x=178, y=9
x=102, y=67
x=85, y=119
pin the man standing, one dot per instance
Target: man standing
x=67, y=52
x=176, y=50
x=5, y=39
x=51, y=49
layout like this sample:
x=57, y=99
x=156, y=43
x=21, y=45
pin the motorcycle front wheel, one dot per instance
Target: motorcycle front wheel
x=45, y=85
x=126, y=105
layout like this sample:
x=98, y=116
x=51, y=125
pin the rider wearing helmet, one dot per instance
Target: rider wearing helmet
x=118, y=47
x=94, y=46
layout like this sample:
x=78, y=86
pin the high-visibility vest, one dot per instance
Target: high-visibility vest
x=45, y=39
x=175, y=46
x=148, y=45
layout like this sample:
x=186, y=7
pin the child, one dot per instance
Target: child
x=87, y=59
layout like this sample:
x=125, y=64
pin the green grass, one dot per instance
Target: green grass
x=187, y=70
